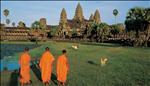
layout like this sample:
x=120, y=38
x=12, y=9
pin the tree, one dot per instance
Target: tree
x=52, y=33
x=37, y=31
x=92, y=32
x=21, y=24
x=34, y=30
x=103, y=31
x=115, y=13
x=97, y=17
x=98, y=32
x=13, y=24
x=74, y=33
x=114, y=30
x=6, y=13
x=7, y=21
x=35, y=25
x=137, y=19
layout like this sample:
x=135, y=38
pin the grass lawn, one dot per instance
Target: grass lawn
x=127, y=66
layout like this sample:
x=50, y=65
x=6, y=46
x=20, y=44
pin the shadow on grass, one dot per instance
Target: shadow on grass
x=54, y=79
x=101, y=44
x=92, y=63
x=14, y=78
x=36, y=70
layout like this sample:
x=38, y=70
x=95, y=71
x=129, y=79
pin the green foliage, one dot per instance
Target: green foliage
x=6, y=12
x=114, y=29
x=137, y=19
x=99, y=31
x=115, y=12
x=38, y=25
x=35, y=25
x=13, y=24
x=52, y=32
x=74, y=32
x=7, y=21
x=103, y=31
x=21, y=24
x=117, y=29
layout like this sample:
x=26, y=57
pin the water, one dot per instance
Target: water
x=11, y=65
x=7, y=55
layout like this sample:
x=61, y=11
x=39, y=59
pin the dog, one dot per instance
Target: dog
x=103, y=61
x=75, y=47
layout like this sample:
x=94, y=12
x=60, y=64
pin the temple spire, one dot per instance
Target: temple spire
x=63, y=16
x=79, y=13
x=97, y=17
x=91, y=17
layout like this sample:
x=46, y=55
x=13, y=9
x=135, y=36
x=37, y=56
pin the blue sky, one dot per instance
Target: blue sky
x=29, y=11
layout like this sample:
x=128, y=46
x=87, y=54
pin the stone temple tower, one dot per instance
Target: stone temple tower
x=43, y=23
x=63, y=28
x=78, y=13
x=63, y=17
x=91, y=18
x=97, y=17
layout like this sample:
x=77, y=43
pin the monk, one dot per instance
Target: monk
x=62, y=68
x=24, y=62
x=46, y=66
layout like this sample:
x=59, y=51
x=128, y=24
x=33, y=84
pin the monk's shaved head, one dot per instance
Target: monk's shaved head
x=26, y=49
x=47, y=48
x=64, y=51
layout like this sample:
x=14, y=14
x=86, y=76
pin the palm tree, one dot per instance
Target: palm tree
x=7, y=21
x=103, y=31
x=13, y=24
x=36, y=25
x=6, y=13
x=137, y=20
x=115, y=13
x=21, y=24
x=92, y=32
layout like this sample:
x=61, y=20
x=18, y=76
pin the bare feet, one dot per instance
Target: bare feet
x=46, y=83
x=63, y=84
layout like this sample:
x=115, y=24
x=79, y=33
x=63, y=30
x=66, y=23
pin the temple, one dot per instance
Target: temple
x=66, y=28
x=78, y=24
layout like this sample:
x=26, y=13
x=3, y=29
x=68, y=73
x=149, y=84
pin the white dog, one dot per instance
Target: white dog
x=75, y=47
x=103, y=61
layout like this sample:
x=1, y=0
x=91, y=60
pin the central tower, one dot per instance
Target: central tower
x=78, y=13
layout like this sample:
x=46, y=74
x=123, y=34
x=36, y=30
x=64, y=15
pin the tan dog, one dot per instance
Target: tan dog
x=103, y=61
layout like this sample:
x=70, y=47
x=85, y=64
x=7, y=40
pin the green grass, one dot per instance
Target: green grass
x=127, y=66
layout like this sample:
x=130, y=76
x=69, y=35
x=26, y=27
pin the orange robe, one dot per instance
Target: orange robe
x=62, y=68
x=46, y=66
x=24, y=62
